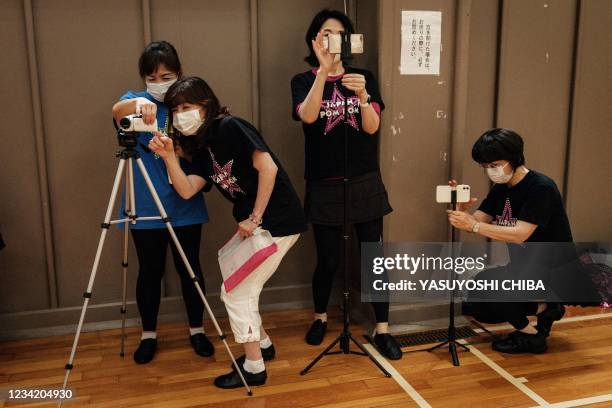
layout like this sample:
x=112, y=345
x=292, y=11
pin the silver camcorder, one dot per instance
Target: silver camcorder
x=134, y=123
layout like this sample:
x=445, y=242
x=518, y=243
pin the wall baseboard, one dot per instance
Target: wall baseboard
x=104, y=316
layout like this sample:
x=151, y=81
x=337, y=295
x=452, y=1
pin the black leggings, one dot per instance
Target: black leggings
x=328, y=240
x=151, y=246
x=515, y=313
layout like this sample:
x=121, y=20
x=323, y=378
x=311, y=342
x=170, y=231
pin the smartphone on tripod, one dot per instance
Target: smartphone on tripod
x=444, y=194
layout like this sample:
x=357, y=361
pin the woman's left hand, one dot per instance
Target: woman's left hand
x=461, y=220
x=246, y=228
x=355, y=83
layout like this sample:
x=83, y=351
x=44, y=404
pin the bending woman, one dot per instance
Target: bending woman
x=229, y=153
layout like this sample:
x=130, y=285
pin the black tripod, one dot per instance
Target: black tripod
x=128, y=154
x=452, y=331
x=345, y=337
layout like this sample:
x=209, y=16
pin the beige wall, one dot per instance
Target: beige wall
x=589, y=170
x=85, y=55
x=23, y=283
x=542, y=68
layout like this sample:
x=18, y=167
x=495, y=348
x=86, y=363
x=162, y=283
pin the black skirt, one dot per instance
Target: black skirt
x=324, y=201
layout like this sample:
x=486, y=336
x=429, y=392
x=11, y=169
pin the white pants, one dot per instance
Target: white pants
x=242, y=302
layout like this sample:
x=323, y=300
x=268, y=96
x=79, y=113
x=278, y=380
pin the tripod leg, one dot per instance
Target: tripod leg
x=367, y=353
x=129, y=188
x=179, y=248
x=94, y=269
x=462, y=346
x=320, y=356
x=452, y=348
x=437, y=346
x=484, y=329
x=345, y=345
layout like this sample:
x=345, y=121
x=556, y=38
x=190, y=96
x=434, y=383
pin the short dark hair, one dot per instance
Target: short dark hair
x=315, y=26
x=196, y=91
x=157, y=53
x=499, y=144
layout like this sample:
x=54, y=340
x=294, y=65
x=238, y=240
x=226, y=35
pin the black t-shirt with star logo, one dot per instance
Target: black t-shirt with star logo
x=324, y=139
x=227, y=162
x=536, y=200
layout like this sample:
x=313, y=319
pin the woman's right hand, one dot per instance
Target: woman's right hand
x=162, y=145
x=147, y=109
x=326, y=60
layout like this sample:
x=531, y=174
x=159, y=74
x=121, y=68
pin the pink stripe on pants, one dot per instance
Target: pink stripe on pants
x=242, y=302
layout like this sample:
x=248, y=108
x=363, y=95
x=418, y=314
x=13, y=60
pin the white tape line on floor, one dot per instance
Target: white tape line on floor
x=582, y=401
x=565, y=404
x=420, y=401
x=511, y=379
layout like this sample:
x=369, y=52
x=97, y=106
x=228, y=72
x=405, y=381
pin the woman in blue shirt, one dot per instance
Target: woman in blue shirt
x=159, y=66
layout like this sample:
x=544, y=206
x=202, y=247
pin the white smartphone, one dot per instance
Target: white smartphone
x=444, y=195
x=333, y=43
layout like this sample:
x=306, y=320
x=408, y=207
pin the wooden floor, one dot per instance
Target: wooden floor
x=578, y=365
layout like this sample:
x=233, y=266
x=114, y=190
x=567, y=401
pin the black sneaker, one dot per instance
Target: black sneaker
x=519, y=342
x=316, y=333
x=201, y=345
x=552, y=313
x=388, y=346
x=145, y=351
x=267, y=354
x=232, y=380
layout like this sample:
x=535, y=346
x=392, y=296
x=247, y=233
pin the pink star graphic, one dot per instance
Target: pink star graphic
x=223, y=176
x=336, y=107
x=506, y=218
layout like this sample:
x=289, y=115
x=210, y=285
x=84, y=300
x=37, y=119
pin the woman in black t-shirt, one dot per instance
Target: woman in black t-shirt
x=229, y=153
x=522, y=206
x=319, y=98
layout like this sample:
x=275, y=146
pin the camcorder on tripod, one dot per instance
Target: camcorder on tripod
x=127, y=138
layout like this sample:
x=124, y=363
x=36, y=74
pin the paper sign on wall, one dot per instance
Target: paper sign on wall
x=421, y=38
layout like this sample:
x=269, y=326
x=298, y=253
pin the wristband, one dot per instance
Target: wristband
x=254, y=220
x=367, y=102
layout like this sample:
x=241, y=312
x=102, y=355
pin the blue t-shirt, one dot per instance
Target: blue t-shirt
x=181, y=212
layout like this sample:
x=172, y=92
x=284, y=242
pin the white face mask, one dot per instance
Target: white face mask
x=497, y=175
x=188, y=122
x=158, y=90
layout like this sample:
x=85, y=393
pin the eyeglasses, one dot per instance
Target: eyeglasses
x=492, y=165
